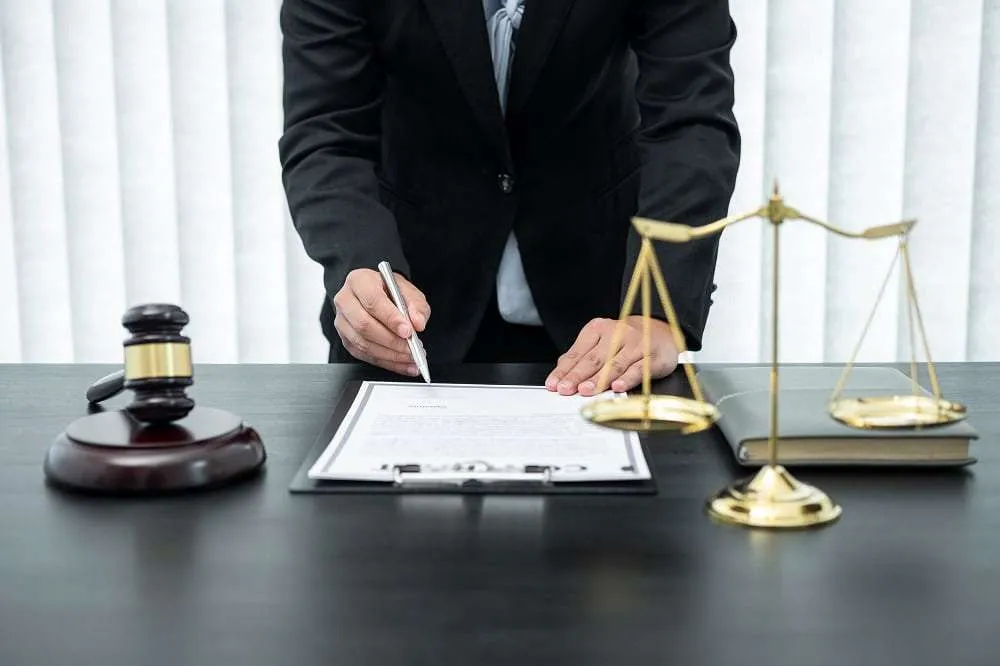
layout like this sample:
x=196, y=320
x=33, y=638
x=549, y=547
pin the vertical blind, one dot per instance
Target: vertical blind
x=138, y=163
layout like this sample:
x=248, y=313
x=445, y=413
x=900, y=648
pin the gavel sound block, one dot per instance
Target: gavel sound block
x=161, y=441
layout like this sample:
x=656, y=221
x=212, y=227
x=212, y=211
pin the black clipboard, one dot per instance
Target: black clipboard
x=302, y=484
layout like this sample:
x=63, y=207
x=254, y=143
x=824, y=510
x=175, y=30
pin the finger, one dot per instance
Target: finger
x=409, y=370
x=370, y=293
x=585, y=342
x=588, y=365
x=659, y=366
x=416, y=303
x=368, y=352
x=620, y=364
x=361, y=346
x=628, y=379
x=365, y=325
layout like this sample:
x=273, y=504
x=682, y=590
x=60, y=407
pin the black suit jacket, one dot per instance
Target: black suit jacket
x=395, y=147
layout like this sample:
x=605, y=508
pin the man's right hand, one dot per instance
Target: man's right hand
x=371, y=327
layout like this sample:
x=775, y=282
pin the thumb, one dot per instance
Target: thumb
x=416, y=303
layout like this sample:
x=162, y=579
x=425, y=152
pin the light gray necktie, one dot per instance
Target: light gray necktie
x=502, y=26
x=513, y=295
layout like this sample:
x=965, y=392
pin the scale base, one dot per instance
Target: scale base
x=773, y=498
x=896, y=411
x=652, y=413
x=113, y=453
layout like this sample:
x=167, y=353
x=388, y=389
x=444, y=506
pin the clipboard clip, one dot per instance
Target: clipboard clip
x=471, y=473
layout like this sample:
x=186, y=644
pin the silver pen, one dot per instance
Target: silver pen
x=416, y=347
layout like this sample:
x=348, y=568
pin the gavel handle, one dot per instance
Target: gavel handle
x=106, y=387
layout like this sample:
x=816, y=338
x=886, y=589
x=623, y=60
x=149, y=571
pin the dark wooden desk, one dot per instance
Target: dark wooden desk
x=253, y=575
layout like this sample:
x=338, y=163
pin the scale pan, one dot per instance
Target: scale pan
x=655, y=412
x=896, y=411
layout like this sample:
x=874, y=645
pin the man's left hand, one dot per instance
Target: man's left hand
x=579, y=369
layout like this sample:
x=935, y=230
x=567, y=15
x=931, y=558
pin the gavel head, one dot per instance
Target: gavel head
x=157, y=363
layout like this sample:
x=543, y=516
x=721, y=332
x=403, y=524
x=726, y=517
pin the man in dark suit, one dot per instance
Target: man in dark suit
x=494, y=152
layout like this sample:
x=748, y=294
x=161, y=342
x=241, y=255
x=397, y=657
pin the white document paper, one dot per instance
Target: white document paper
x=465, y=428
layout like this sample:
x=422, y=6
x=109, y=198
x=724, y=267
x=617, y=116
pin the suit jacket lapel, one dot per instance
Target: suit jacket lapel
x=543, y=19
x=461, y=27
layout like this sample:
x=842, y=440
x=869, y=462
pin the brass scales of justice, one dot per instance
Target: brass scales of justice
x=772, y=498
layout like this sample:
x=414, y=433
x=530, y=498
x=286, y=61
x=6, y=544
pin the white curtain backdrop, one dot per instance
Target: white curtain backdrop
x=138, y=163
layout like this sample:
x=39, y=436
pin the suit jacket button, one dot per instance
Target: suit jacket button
x=506, y=182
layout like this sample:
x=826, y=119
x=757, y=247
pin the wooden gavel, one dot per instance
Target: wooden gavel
x=160, y=441
x=157, y=365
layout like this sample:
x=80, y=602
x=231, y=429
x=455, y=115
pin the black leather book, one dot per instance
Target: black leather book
x=808, y=434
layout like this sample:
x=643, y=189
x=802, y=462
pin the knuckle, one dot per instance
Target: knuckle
x=593, y=359
x=364, y=326
x=354, y=351
x=358, y=344
x=368, y=299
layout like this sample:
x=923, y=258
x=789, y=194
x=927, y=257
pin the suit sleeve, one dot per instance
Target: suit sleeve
x=331, y=143
x=688, y=140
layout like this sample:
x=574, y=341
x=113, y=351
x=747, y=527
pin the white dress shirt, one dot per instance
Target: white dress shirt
x=513, y=294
